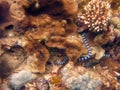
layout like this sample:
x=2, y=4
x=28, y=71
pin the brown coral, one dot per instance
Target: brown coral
x=41, y=52
x=61, y=8
x=47, y=29
x=56, y=34
x=104, y=38
x=5, y=18
x=17, y=11
x=95, y=15
x=7, y=22
x=115, y=4
x=56, y=41
x=47, y=32
x=5, y=15
x=74, y=43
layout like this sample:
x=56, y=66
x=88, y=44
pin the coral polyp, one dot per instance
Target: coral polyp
x=95, y=15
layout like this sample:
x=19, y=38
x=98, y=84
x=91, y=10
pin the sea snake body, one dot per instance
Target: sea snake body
x=106, y=55
x=89, y=55
x=64, y=61
x=82, y=58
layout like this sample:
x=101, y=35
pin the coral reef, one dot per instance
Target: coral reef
x=59, y=45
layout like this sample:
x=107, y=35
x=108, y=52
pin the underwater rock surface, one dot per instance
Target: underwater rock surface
x=76, y=81
x=18, y=80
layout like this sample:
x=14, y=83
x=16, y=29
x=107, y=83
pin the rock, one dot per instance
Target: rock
x=115, y=21
x=4, y=87
x=75, y=79
x=42, y=84
x=104, y=38
x=19, y=79
x=39, y=83
x=98, y=52
x=10, y=60
x=117, y=32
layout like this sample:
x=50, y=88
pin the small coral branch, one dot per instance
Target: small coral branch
x=95, y=15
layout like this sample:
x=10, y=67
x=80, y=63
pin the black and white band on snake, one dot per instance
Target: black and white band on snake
x=64, y=61
x=89, y=54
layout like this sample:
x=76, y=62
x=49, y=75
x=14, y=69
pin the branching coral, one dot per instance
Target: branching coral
x=95, y=15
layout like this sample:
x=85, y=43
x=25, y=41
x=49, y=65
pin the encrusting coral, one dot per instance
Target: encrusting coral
x=42, y=54
x=95, y=15
x=55, y=35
